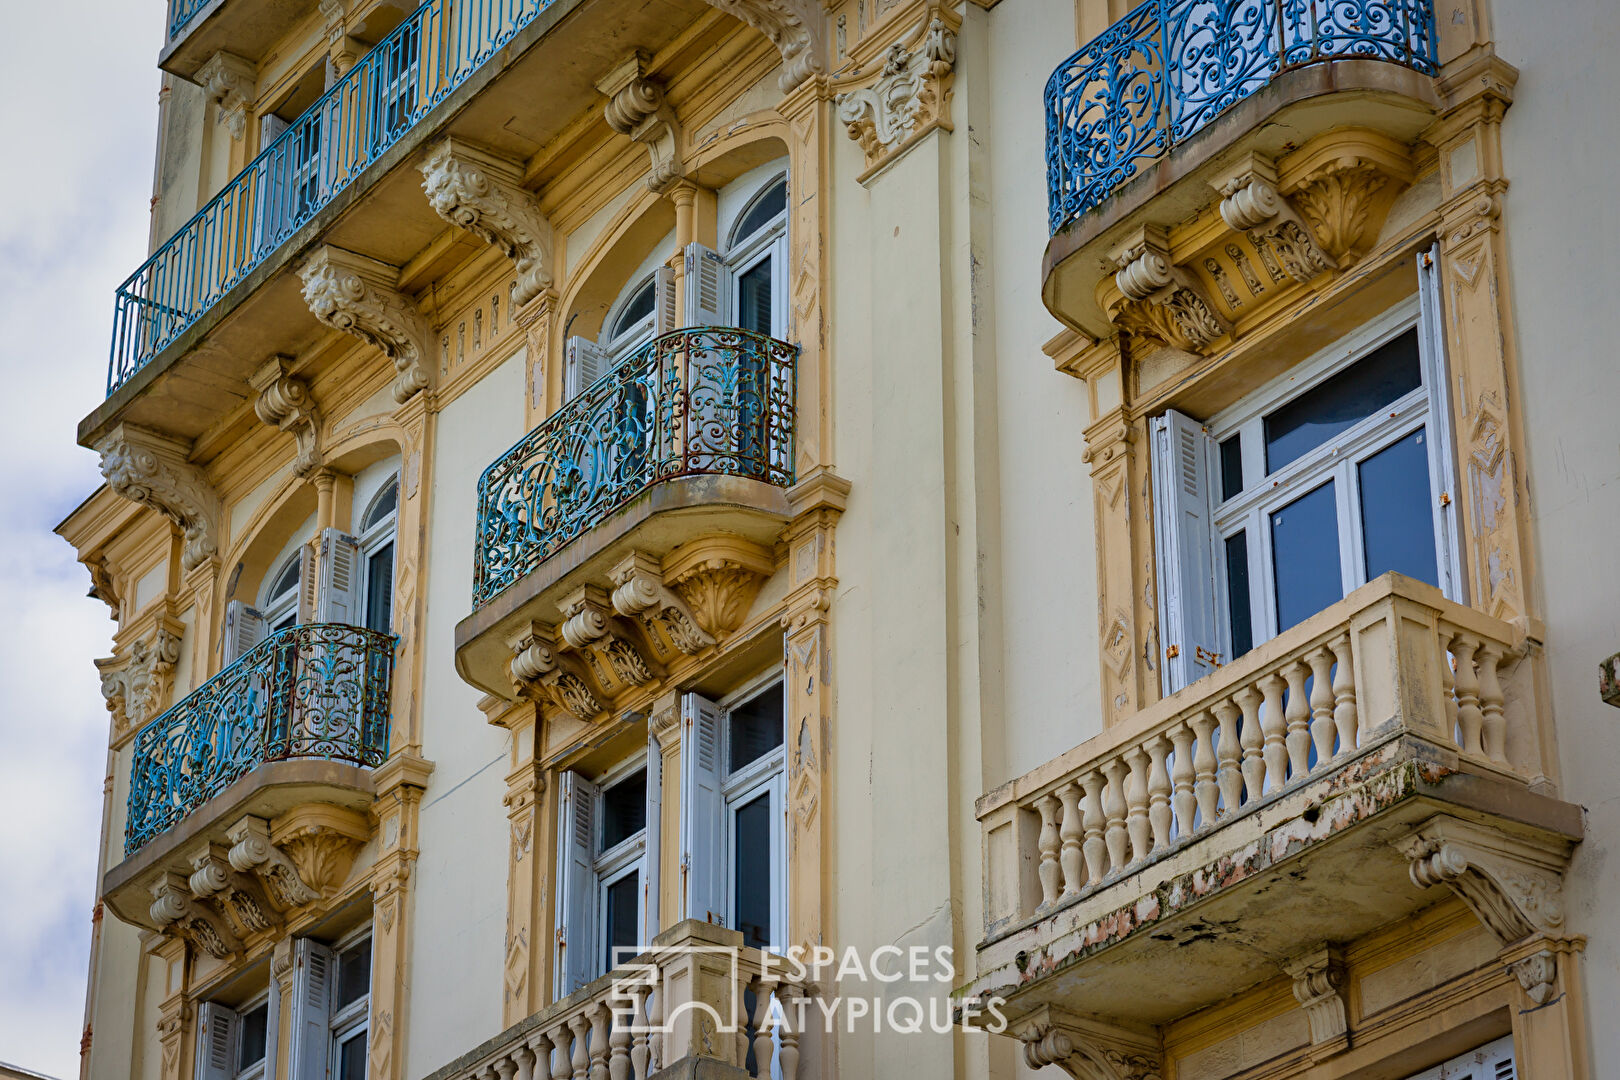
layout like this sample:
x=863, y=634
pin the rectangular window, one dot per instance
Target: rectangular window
x=621, y=846
x=351, y=1009
x=754, y=794
x=1493, y=1061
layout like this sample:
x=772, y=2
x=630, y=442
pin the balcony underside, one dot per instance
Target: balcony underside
x=1293, y=108
x=516, y=102
x=1212, y=917
x=246, y=28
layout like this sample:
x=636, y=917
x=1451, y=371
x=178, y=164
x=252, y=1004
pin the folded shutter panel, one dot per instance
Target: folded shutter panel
x=585, y=362
x=217, y=1032
x=1442, y=450
x=651, y=856
x=314, y=967
x=308, y=574
x=244, y=628
x=666, y=318
x=338, y=600
x=708, y=287
x=1189, y=629
x=702, y=807
x=576, y=884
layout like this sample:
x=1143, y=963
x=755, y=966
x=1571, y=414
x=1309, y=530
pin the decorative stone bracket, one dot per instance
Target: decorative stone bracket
x=361, y=296
x=176, y=907
x=796, y=27
x=1514, y=887
x=640, y=593
x=284, y=401
x=610, y=654
x=476, y=190
x=911, y=97
x=637, y=107
x=137, y=687
x=1160, y=299
x=1319, y=987
x=229, y=82
x=148, y=467
x=1250, y=204
x=1089, y=1049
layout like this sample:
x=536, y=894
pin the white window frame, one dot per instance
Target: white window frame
x=278, y=607
x=614, y=864
x=377, y=535
x=768, y=775
x=637, y=334
x=769, y=241
x=354, y=1018
x=1493, y=1061
x=257, y=1070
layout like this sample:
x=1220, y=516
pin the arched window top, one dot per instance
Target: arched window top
x=285, y=581
x=383, y=505
x=634, y=311
x=763, y=212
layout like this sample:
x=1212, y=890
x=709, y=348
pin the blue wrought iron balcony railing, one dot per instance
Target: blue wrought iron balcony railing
x=181, y=12
x=392, y=88
x=318, y=690
x=1163, y=72
x=702, y=401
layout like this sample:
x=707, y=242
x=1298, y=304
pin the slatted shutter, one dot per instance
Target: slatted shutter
x=338, y=599
x=245, y=627
x=650, y=858
x=665, y=315
x=708, y=287
x=314, y=969
x=702, y=811
x=576, y=883
x=1189, y=628
x=585, y=362
x=308, y=575
x=217, y=1032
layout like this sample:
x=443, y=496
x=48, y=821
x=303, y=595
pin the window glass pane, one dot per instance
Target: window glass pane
x=639, y=308
x=624, y=809
x=1231, y=467
x=1320, y=413
x=755, y=729
x=1241, y=614
x=289, y=619
x=380, y=589
x=385, y=504
x=354, y=974
x=762, y=213
x=623, y=918
x=351, y=1057
x=752, y=860
x=1396, y=524
x=1305, y=550
x=754, y=298
x=286, y=581
x=250, y=1051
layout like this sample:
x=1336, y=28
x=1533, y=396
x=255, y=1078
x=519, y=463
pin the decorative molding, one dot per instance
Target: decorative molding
x=1088, y=1049
x=637, y=107
x=718, y=577
x=1161, y=300
x=1320, y=987
x=361, y=296
x=321, y=842
x=911, y=97
x=251, y=850
x=476, y=190
x=236, y=894
x=103, y=586
x=1343, y=183
x=640, y=593
x=153, y=469
x=285, y=402
x=174, y=907
x=137, y=688
x=1250, y=203
x=229, y=81
x=535, y=663
x=611, y=656
x=796, y=27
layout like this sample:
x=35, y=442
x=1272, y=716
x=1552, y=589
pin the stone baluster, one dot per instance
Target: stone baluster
x=1321, y=662
x=1158, y=790
x=487, y=1072
x=540, y=1056
x=1297, y=714
x=1274, y=727
x=740, y=1014
x=1229, y=776
x=1070, y=833
x=787, y=1031
x=1048, y=844
x=655, y=1029
x=764, y=1045
x=619, y=1050
x=1470, y=719
x=1136, y=802
x=1114, y=811
x=1344, y=694
x=1494, y=735
x=639, y=1050
x=526, y=1059
x=1096, y=850
x=1182, y=799
x=1205, y=790
x=562, y=1037
x=1254, y=764
x=506, y=1066
x=1448, y=684
x=581, y=1061
x=600, y=1017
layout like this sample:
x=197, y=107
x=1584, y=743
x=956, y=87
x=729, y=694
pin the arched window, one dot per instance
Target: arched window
x=632, y=323
x=756, y=256
x=279, y=603
x=377, y=528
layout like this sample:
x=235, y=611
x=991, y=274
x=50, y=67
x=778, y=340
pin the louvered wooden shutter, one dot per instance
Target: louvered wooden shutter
x=314, y=967
x=244, y=628
x=584, y=363
x=217, y=1032
x=666, y=317
x=338, y=599
x=650, y=858
x=1189, y=630
x=576, y=884
x=708, y=287
x=702, y=810
x=308, y=574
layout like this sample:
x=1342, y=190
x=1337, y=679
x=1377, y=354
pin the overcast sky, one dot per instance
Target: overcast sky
x=78, y=123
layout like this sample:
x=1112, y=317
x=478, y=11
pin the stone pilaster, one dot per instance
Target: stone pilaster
x=809, y=134
x=400, y=783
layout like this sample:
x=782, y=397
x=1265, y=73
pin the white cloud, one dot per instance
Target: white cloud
x=80, y=130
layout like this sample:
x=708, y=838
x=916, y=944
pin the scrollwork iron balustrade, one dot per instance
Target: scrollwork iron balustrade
x=181, y=12
x=386, y=94
x=1169, y=67
x=319, y=690
x=707, y=400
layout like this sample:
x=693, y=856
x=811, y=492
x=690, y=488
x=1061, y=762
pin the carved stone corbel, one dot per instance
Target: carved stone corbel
x=1343, y=184
x=137, y=689
x=284, y=401
x=237, y=894
x=229, y=81
x=153, y=469
x=637, y=107
x=251, y=850
x=321, y=841
x=718, y=577
x=536, y=664
x=174, y=906
x=1319, y=987
x=1162, y=300
x=588, y=628
x=1250, y=203
x=1089, y=1049
x=912, y=95
x=361, y=296
x=476, y=190
x=796, y=27
x=640, y=593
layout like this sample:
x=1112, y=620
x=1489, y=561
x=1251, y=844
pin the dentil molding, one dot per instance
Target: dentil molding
x=476, y=190
x=361, y=296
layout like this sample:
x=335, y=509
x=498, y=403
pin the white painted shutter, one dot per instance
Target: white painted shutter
x=308, y=573
x=708, y=287
x=702, y=811
x=1442, y=451
x=217, y=1032
x=1189, y=629
x=665, y=317
x=338, y=600
x=270, y=128
x=576, y=884
x=585, y=362
x=314, y=968
x=651, y=855
x=244, y=628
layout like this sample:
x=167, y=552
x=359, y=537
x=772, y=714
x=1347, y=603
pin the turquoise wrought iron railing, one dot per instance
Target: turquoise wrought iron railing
x=1164, y=71
x=702, y=401
x=319, y=690
x=377, y=101
x=181, y=12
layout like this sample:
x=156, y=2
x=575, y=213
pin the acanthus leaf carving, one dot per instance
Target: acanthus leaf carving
x=637, y=107
x=535, y=663
x=251, y=850
x=1320, y=988
x=797, y=29
x=589, y=629
x=1250, y=203
x=285, y=402
x=718, y=578
x=153, y=469
x=173, y=905
x=912, y=94
x=230, y=83
x=1089, y=1049
x=476, y=190
x=640, y=593
x=361, y=296
x=137, y=687
x=1160, y=299
x=238, y=896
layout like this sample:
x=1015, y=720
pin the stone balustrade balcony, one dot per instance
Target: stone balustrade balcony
x=1310, y=792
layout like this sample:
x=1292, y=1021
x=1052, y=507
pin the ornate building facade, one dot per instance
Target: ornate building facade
x=1103, y=503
